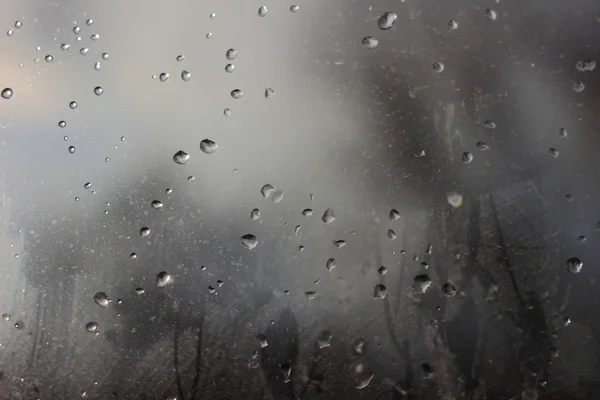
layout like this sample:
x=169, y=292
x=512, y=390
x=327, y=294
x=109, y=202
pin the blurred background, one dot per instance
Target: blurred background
x=305, y=200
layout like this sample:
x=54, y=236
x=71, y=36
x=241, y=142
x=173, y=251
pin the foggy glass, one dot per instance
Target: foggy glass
x=332, y=200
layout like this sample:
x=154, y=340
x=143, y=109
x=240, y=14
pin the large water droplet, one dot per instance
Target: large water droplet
x=391, y=234
x=255, y=214
x=466, y=157
x=105, y=56
x=452, y=25
x=156, y=204
x=269, y=93
x=585, y=65
x=310, y=294
x=379, y=292
x=578, y=86
x=145, y=231
x=489, y=124
x=339, y=243
x=277, y=196
x=65, y=47
x=87, y=185
x=208, y=146
x=185, y=75
x=231, y=54
x=97, y=66
x=438, y=67
x=18, y=24
x=84, y=51
x=62, y=124
x=331, y=264
x=73, y=105
x=163, y=76
x=91, y=327
x=553, y=152
x=6, y=317
x=249, y=241
x=294, y=8
x=328, y=216
x=370, y=42
x=71, y=149
x=574, y=265
x=163, y=278
x=49, y=58
x=382, y=270
x=307, y=212
x=229, y=68
x=448, y=289
x=262, y=11
x=9, y=32
x=482, y=146
x=237, y=93
x=76, y=30
x=491, y=14
x=181, y=157
x=422, y=282
x=139, y=291
x=267, y=190
x=98, y=90
x=102, y=299
x=7, y=93
x=95, y=37
x=387, y=20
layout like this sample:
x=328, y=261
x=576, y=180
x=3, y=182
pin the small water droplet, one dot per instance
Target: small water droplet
x=294, y=8
x=76, y=30
x=9, y=32
x=105, y=56
x=370, y=42
x=6, y=317
x=422, y=282
x=83, y=51
x=562, y=132
x=489, y=124
x=582, y=238
x=382, y=270
x=87, y=185
x=163, y=278
x=310, y=294
x=156, y=204
x=227, y=112
x=324, y=339
x=168, y=191
x=466, y=157
x=139, y=291
x=491, y=14
x=73, y=105
x=387, y=20
x=267, y=190
x=65, y=47
x=553, y=152
x=379, y=292
x=262, y=340
x=574, y=265
x=185, y=76
x=89, y=22
x=438, y=67
x=262, y=11
x=71, y=149
x=163, y=76
x=452, y=25
x=331, y=264
x=145, y=231
x=95, y=36
x=181, y=157
x=76, y=198
x=231, y=54
x=249, y=241
x=578, y=86
x=427, y=371
x=566, y=321
x=229, y=68
x=97, y=65
x=91, y=326
x=208, y=146
x=208, y=35
x=180, y=58
x=101, y=298
x=98, y=90
x=133, y=256
x=328, y=216
x=339, y=243
x=19, y=325
x=391, y=234
x=237, y=94
x=18, y=24
x=62, y=124
x=255, y=214
x=448, y=289
x=360, y=346
x=7, y=93
x=49, y=58
x=269, y=93
x=277, y=196
x=481, y=146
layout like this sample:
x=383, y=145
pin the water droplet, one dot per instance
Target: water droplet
x=7, y=93
x=379, y=292
x=255, y=214
x=324, y=339
x=363, y=382
x=339, y=243
x=105, y=56
x=481, y=146
x=213, y=15
x=491, y=14
x=73, y=105
x=553, y=352
x=163, y=76
x=227, y=112
x=62, y=124
x=102, y=299
x=49, y=58
x=91, y=327
x=262, y=340
x=180, y=58
x=294, y=8
x=455, y=199
x=267, y=190
x=122, y=138
x=387, y=20
x=310, y=294
x=422, y=282
x=391, y=234
x=65, y=47
x=231, y=54
x=87, y=185
x=382, y=270
x=89, y=22
x=133, y=256
x=208, y=35
x=489, y=124
x=18, y=24
x=370, y=42
x=553, y=152
x=566, y=321
x=156, y=204
x=185, y=76
x=145, y=231
x=277, y=196
x=84, y=51
x=249, y=241
x=448, y=289
x=168, y=191
x=331, y=264
x=427, y=371
x=95, y=36
x=163, y=278
x=438, y=67
x=97, y=65
x=328, y=216
x=562, y=132
x=452, y=25
x=582, y=238
x=574, y=265
x=98, y=90
x=237, y=93
x=208, y=146
x=9, y=32
x=76, y=198
x=19, y=325
x=269, y=93
x=229, y=68
x=76, y=30
x=71, y=149
x=181, y=157
x=466, y=157
x=262, y=11
x=578, y=86
x=585, y=65
x=6, y=317
x=139, y=291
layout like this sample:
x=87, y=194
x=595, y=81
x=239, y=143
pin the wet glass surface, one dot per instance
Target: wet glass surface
x=311, y=200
